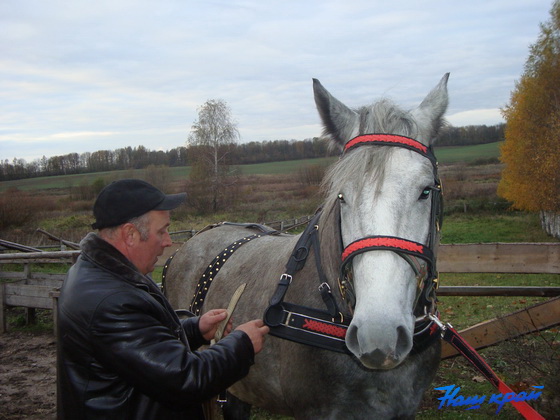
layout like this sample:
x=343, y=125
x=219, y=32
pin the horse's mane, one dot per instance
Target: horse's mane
x=381, y=117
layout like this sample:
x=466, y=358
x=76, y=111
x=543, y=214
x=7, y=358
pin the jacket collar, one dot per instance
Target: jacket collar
x=106, y=256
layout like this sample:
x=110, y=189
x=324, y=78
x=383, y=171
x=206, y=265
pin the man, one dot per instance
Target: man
x=122, y=351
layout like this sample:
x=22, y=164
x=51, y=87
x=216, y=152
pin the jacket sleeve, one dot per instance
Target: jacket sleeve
x=192, y=331
x=130, y=339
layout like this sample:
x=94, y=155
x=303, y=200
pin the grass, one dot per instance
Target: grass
x=446, y=155
x=493, y=227
x=467, y=154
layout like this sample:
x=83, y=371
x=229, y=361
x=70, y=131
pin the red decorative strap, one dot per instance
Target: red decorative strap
x=455, y=339
x=324, y=328
x=385, y=242
x=388, y=139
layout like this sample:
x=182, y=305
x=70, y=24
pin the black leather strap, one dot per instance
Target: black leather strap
x=308, y=240
x=214, y=267
x=308, y=326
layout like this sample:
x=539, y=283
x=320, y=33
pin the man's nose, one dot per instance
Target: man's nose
x=167, y=240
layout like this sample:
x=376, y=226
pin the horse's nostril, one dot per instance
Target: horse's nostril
x=352, y=340
x=404, y=343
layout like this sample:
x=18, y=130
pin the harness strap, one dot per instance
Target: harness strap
x=387, y=243
x=308, y=239
x=214, y=267
x=391, y=140
x=450, y=335
x=309, y=326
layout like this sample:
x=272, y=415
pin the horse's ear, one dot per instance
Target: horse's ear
x=339, y=121
x=429, y=114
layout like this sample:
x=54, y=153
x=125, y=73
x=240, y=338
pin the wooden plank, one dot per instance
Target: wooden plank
x=35, y=260
x=19, y=247
x=55, y=294
x=54, y=256
x=533, y=318
x=22, y=289
x=499, y=258
x=50, y=281
x=72, y=245
x=36, y=277
x=12, y=275
x=545, y=291
x=2, y=310
x=40, y=302
x=30, y=296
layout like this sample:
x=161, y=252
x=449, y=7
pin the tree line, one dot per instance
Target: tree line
x=237, y=154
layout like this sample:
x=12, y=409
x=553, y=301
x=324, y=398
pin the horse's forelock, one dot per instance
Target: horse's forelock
x=381, y=117
x=357, y=166
x=385, y=117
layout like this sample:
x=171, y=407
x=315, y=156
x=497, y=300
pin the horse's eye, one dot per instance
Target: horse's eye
x=341, y=198
x=425, y=193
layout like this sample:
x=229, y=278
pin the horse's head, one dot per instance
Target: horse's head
x=382, y=191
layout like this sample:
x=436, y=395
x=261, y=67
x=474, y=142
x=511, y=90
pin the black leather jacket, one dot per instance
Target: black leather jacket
x=124, y=354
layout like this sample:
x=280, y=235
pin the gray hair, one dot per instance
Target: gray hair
x=141, y=223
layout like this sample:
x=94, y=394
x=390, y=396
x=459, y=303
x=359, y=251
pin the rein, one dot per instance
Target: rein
x=327, y=328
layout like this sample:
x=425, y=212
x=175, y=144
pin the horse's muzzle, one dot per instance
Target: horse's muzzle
x=386, y=351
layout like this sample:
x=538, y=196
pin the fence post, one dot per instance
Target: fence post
x=2, y=310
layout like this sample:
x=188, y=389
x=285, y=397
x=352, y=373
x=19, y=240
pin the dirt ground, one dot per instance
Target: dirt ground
x=27, y=376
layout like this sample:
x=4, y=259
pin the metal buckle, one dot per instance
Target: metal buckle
x=324, y=286
x=443, y=327
x=286, y=277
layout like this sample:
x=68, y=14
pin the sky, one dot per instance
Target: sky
x=81, y=76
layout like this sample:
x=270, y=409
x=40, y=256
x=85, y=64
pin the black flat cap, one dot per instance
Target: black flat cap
x=123, y=200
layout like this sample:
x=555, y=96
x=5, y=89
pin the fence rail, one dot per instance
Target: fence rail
x=34, y=290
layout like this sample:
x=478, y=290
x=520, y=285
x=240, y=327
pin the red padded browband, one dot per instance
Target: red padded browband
x=389, y=139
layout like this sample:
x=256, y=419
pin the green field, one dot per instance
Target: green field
x=467, y=154
x=445, y=155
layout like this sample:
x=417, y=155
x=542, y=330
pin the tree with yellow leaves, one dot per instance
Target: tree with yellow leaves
x=531, y=151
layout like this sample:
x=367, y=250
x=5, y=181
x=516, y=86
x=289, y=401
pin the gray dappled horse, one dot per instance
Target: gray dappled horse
x=380, y=193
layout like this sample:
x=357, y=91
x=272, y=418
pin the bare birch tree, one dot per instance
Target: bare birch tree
x=210, y=140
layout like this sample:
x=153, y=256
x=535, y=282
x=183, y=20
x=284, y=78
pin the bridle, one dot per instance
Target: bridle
x=425, y=270
x=326, y=329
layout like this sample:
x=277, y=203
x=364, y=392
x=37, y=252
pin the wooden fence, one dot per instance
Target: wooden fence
x=35, y=290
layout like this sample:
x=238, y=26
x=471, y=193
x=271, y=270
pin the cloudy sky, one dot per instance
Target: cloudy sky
x=78, y=76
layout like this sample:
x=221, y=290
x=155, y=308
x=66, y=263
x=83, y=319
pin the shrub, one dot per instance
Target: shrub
x=159, y=176
x=18, y=208
x=86, y=191
x=311, y=174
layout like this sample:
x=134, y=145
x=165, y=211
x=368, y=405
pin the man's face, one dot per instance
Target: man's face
x=146, y=252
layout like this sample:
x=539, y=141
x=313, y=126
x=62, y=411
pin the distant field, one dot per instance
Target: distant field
x=445, y=155
x=454, y=154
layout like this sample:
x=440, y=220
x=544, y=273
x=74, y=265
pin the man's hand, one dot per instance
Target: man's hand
x=208, y=323
x=256, y=330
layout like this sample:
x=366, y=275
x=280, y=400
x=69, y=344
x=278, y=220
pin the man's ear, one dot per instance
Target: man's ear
x=128, y=234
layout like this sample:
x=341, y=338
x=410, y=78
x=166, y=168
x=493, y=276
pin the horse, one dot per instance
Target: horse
x=381, y=209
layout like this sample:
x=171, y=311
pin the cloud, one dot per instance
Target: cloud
x=476, y=117
x=139, y=70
